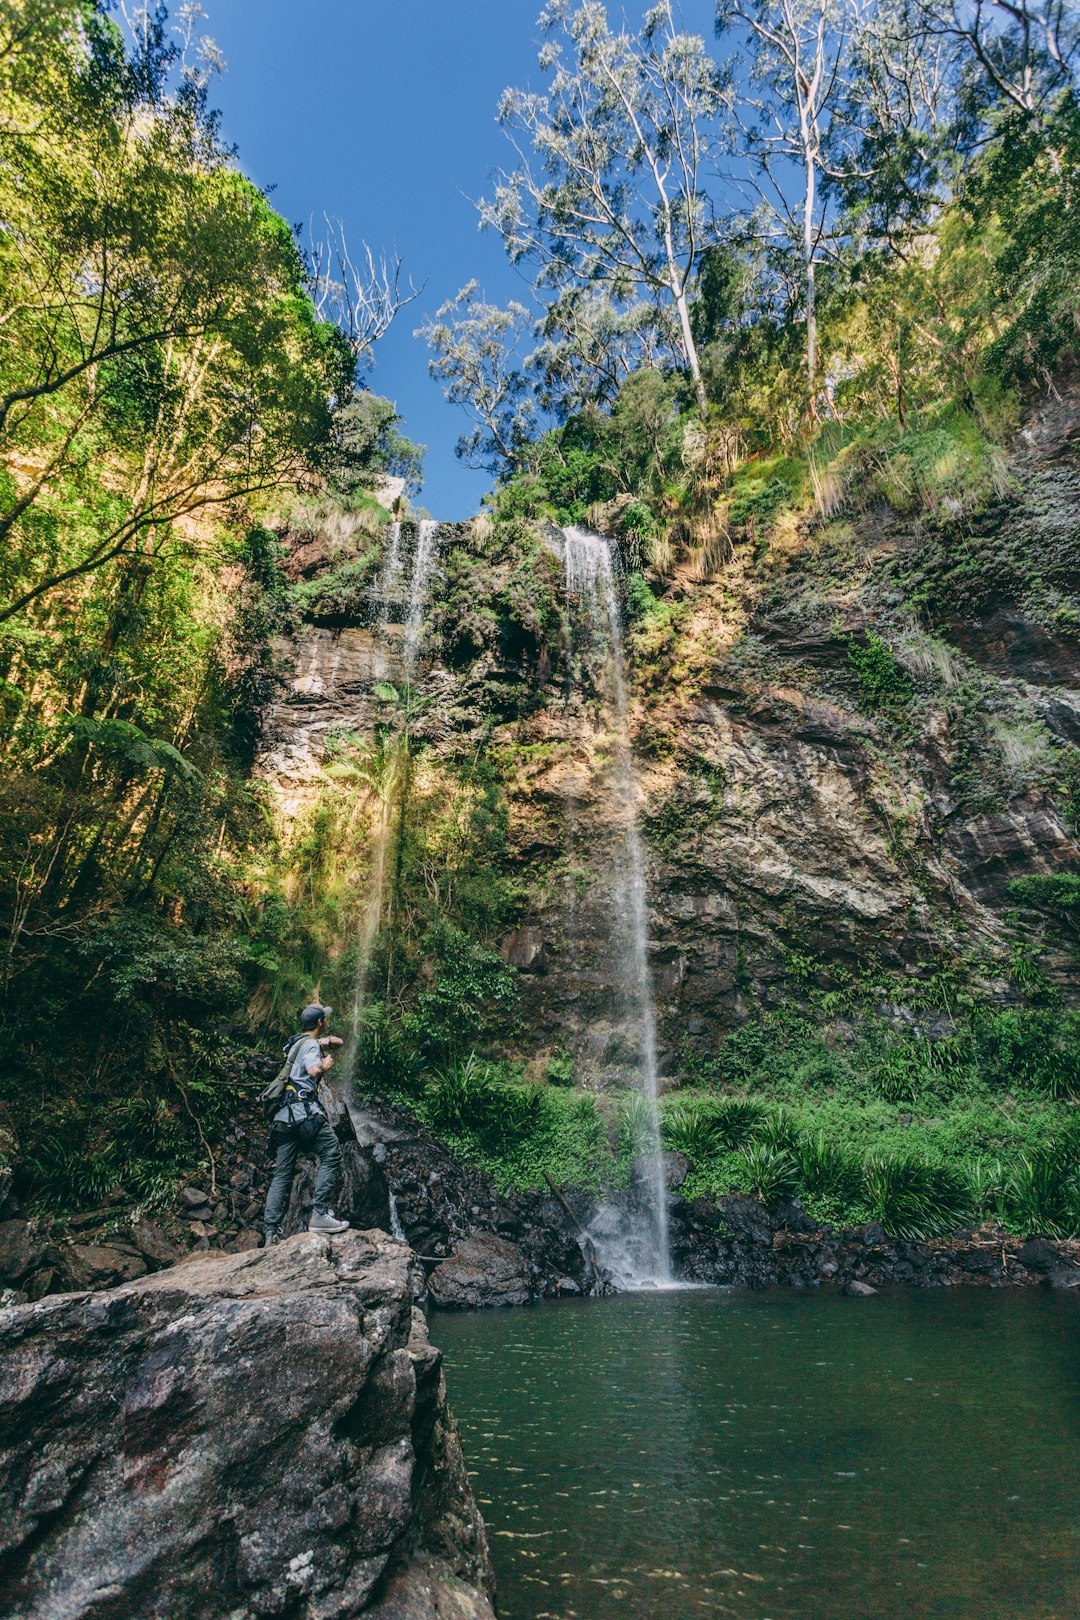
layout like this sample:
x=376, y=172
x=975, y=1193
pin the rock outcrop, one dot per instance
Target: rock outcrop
x=488, y=1248
x=737, y=1242
x=240, y=1435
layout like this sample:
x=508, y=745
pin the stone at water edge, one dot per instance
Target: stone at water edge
x=251, y=1434
x=858, y=1290
x=484, y=1270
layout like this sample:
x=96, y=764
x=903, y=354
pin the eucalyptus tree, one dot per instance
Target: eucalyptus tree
x=588, y=345
x=799, y=53
x=610, y=188
x=1027, y=51
x=476, y=353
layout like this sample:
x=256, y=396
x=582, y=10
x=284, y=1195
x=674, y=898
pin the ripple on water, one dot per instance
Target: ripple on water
x=778, y=1456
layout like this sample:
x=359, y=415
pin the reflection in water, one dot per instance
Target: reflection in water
x=776, y=1457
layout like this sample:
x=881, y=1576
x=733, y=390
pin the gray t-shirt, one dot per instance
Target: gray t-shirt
x=308, y=1053
x=305, y=1099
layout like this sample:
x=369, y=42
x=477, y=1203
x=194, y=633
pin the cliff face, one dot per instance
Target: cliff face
x=852, y=736
x=251, y=1434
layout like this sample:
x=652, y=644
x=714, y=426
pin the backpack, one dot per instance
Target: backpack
x=275, y=1090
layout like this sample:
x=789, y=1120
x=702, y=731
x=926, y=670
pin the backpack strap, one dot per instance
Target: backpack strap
x=277, y=1085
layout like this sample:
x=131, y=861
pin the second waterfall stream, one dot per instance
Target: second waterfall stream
x=635, y=1251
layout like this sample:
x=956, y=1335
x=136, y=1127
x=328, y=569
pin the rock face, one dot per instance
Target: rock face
x=240, y=1435
x=507, y=1249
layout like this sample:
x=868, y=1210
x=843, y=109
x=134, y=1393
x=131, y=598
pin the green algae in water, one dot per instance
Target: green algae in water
x=776, y=1457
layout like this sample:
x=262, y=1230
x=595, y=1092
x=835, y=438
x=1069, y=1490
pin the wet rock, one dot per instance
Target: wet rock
x=21, y=1249
x=745, y=1216
x=483, y=1271
x=858, y=1290
x=41, y=1283
x=265, y=1434
x=1037, y=1254
x=441, y=1202
x=154, y=1245
x=523, y=949
x=674, y=1167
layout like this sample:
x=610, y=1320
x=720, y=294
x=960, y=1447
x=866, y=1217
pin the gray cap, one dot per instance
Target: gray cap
x=311, y=1015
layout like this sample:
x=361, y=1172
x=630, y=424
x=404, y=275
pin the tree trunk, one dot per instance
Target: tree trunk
x=808, y=255
x=683, y=308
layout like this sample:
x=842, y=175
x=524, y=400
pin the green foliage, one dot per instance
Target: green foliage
x=770, y=1172
x=1042, y=1192
x=466, y=1099
x=777, y=1130
x=883, y=685
x=637, y=1124
x=689, y=1127
x=366, y=445
x=1055, y=892
x=826, y=1169
x=560, y=1068
x=736, y=1121
x=473, y=995
x=912, y=1199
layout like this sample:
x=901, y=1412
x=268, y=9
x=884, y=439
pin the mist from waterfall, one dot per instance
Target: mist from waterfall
x=635, y=1257
x=392, y=607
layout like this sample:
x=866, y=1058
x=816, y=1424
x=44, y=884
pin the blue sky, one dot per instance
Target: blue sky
x=383, y=112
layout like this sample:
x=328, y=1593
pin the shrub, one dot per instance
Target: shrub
x=637, y=1124
x=911, y=1198
x=474, y=993
x=560, y=1068
x=1043, y=1192
x=1039, y=1050
x=884, y=685
x=735, y=1121
x=826, y=1169
x=777, y=1130
x=1055, y=892
x=690, y=1127
x=771, y=1173
x=984, y=1183
x=464, y=1098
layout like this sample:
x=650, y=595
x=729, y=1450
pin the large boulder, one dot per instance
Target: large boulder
x=250, y=1434
x=484, y=1270
x=21, y=1249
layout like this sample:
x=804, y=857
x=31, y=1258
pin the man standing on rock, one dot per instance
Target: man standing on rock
x=301, y=1124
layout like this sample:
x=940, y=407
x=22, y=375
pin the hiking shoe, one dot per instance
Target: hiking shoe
x=269, y=1239
x=327, y=1223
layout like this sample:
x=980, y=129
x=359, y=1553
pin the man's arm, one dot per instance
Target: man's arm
x=317, y=1066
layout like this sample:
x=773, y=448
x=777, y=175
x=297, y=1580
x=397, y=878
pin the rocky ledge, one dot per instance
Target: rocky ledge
x=262, y=1433
x=736, y=1241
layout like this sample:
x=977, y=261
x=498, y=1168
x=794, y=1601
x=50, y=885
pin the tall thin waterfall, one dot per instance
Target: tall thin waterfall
x=636, y=1259
x=419, y=588
x=391, y=606
x=386, y=585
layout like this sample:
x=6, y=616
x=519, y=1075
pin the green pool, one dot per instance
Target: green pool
x=777, y=1456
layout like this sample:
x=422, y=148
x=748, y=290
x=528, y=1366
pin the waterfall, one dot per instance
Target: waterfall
x=396, y=1227
x=389, y=607
x=389, y=579
x=419, y=586
x=635, y=1258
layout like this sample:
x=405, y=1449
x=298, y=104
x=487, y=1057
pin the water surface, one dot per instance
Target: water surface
x=777, y=1456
